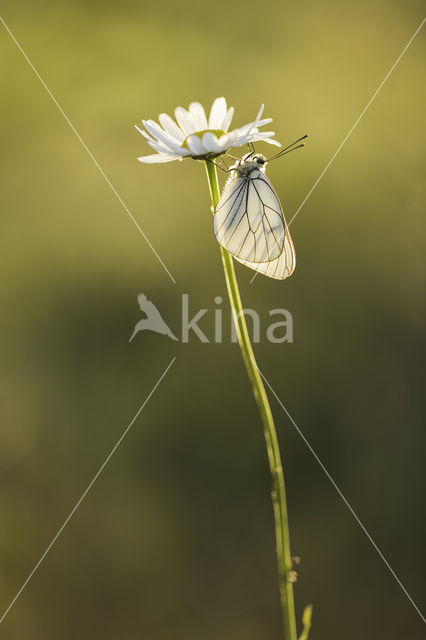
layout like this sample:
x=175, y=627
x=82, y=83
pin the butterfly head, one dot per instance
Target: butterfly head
x=250, y=162
x=254, y=158
x=260, y=160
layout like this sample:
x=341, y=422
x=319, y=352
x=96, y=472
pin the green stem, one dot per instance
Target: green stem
x=278, y=488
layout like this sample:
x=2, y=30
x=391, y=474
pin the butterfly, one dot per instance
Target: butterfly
x=249, y=220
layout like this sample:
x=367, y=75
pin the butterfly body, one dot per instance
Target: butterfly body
x=249, y=220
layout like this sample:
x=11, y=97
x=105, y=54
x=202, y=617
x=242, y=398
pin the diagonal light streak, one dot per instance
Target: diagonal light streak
x=86, y=148
x=345, y=139
x=340, y=494
x=86, y=491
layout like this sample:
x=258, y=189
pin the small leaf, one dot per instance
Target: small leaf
x=306, y=621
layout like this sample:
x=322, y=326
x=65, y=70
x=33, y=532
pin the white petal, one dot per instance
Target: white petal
x=233, y=136
x=259, y=115
x=272, y=141
x=244, y=135
x=198, y=116
x=195, y=146
x=246, y=130
x=240, y=140
x=171, y=127
x=155, y=130
x=184, y=120
x=260, y=137
x=144, y=133
x=217, y=114
x=251, y=128
x=159, y=146
x=225, y=142
x=266, y=134
x=261, y=123
x=228, y=119
x=210, y=143
x=245, y=139
x=158, y=157
x=256, y=124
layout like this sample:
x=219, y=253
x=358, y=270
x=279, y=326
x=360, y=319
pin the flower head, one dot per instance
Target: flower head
x=196, y=137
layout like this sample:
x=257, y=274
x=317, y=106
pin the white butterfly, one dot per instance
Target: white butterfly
x=249, y=220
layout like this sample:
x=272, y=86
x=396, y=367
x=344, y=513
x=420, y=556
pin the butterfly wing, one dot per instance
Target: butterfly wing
x=249, y=220
x=280, y=268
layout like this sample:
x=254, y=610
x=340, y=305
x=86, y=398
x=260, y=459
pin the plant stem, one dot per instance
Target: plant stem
x=278, y=487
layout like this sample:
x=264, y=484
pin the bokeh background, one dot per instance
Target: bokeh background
x=176, y=539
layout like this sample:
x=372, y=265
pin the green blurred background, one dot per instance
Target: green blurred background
x=176, y=539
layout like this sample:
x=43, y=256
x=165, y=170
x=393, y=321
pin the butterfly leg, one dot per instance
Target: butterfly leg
x=226, y=166
x=220, y=166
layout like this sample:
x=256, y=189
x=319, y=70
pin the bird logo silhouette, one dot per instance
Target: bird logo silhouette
x=153, y=321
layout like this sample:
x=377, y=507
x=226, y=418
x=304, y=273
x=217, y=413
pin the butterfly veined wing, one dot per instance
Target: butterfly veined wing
x=249, y=221
x=280, y=268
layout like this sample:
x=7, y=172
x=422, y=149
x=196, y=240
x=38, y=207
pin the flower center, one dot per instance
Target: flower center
x=217, y=133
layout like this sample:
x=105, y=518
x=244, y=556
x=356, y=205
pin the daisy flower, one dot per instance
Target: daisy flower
x=196, y=137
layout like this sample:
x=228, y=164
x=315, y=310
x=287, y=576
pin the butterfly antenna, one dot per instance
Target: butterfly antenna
x=288, y=149
x=284, y=153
